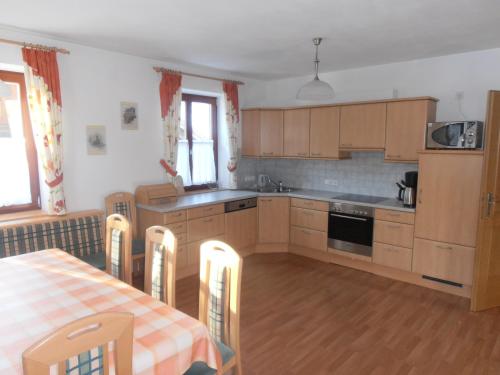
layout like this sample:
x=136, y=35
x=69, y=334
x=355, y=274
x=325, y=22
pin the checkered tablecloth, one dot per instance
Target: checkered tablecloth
x=44, y=290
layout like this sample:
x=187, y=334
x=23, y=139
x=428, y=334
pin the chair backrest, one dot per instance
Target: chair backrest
x=161, y=255
x=123, y=203
x=119, y=248
x=220, y=285
x=81, y=347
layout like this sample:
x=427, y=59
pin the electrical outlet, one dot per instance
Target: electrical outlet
x=249, y=178
x=460, y=95
x=331, y=182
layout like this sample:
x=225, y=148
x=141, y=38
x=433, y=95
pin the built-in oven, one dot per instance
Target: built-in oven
x=350, y=228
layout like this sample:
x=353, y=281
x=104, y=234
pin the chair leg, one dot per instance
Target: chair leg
x=238, y=366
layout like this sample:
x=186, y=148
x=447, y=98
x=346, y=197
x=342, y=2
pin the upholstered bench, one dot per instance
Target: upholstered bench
x=79, y=233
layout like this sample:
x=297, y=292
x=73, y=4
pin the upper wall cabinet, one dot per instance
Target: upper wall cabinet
x=324, y=133
x=362, y=126
x=405, y=128
x=296, y=132
x=271, y=133
x=250, y=133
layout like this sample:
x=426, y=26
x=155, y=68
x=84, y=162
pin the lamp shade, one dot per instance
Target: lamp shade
x=5, y=90
x=315, y=90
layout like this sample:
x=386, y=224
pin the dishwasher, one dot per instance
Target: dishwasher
x=241, y=223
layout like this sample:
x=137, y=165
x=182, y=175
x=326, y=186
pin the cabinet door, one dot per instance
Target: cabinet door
x=250, y=132
x=274, y=220
x=271, y=133
x=324, y=133
x=405, y=128
x=362, y=126
x=241, y=228
x=296, y=132
x=448, y=198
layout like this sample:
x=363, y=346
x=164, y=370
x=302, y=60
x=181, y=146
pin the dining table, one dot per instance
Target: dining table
x=44, y=290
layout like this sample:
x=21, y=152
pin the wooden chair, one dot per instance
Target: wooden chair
x=81, y=347
x=123, y=203
x=118, y=248
x=161, y=255
x=219, y=307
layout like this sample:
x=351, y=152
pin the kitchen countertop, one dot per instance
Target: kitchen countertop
x=221, y=196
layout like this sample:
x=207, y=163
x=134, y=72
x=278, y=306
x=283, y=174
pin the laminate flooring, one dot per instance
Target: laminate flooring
x=301, y=316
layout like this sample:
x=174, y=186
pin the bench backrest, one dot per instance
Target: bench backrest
x=79, y=234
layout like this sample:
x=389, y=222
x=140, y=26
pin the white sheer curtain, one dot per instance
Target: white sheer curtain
x=183, y=162
x=14, y=172
x=203, y=162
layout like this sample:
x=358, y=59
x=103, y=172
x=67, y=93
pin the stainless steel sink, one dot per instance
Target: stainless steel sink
x=274, y=190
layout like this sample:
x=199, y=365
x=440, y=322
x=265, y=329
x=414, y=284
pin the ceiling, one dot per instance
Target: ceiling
x=267, y=39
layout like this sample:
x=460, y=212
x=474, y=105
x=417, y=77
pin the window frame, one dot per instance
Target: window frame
x=189, y=99
x=31, y=154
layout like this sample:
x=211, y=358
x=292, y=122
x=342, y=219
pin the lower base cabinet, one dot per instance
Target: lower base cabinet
x=241, y=228
x=392, y=256
x=444, y=261
x=308, y=238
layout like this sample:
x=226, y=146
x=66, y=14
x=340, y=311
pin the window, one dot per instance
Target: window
x=19, y=189
x=197, y=156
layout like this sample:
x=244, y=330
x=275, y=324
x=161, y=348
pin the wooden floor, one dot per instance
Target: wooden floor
x=300, y=316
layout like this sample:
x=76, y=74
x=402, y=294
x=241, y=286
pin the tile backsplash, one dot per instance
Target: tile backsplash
x=365, y=173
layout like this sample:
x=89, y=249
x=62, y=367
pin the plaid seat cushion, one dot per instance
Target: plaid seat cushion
x=78, y=236
x=87, y=363
x=216, y=301
x=157, y=272
x=116, y=253
x=201, y=368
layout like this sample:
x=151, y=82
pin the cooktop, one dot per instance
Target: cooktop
x=359, y=198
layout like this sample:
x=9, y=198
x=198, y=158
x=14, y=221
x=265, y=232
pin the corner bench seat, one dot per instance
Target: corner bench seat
x=79, y=233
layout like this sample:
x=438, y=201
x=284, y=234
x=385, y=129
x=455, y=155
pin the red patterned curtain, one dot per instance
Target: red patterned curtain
x=44, y=98
x=171, y=99
x=233, y=123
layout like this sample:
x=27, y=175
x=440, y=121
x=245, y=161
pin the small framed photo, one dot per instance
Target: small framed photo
x=96, y=140
x=129, y=115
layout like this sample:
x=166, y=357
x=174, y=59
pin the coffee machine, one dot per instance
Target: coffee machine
x=408, y=189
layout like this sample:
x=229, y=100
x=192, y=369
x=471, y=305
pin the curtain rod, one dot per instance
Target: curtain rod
x=35, y=46
x=160, y=69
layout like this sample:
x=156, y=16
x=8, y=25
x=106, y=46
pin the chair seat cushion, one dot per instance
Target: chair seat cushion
x=137, y=247
x=201, y=368
x=98, y=260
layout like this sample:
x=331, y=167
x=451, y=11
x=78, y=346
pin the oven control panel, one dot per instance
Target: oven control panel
x=351, y=209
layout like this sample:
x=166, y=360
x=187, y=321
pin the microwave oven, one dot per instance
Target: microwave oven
x=455, y=134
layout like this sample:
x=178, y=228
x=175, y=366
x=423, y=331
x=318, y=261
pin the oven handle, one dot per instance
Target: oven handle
x=349, y=217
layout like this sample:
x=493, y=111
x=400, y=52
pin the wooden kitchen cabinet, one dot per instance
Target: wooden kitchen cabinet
x=448, y=197
x=250, y=132
x=308, y=238
x=392, y=256
x=296, y=132
x=444, y=261
x=271, y=133
x=274, y=219
x=362, y=126
x=241, y=228
x=205, y=227
x=391, y=233
x=325, y=133
x=405, y=128
x=312, y=219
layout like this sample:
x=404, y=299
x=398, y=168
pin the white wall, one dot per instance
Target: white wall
x=93, y=82
x=472, y=73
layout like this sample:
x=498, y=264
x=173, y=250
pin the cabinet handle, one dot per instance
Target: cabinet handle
x=268, y=153
x=307, y=213
x=306, y=232
x=391, y=226
x=444, y=247
x=301, y=153
x=393, y=214
x=208, y=220
x=177, y=214
x=394, y=156
x=347, y=144
x=316, y=153
x=420, y=191
x=308, y=203
x=209, y=209
x=266, y=199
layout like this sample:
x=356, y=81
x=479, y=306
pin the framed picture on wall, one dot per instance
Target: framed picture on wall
x=129, y=115
x=96, y=140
